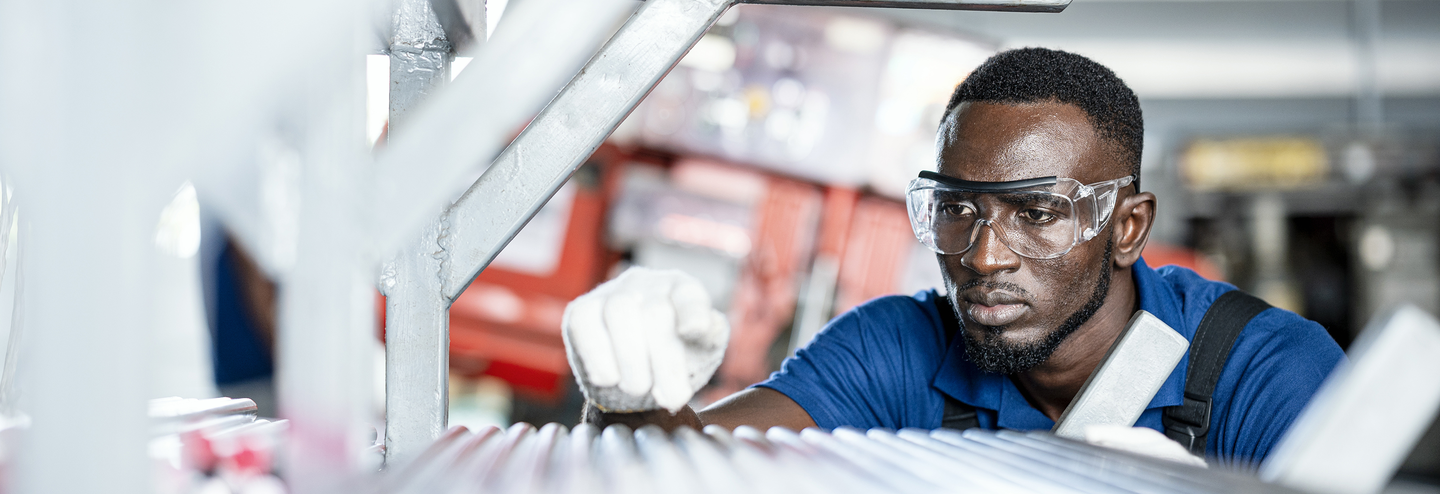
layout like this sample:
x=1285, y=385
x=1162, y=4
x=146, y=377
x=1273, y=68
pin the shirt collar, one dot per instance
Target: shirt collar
x=962, y=380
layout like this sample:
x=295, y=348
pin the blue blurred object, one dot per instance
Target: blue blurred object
x=239, y=352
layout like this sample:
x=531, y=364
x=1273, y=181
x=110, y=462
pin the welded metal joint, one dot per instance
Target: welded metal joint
x=419, y=56
x=417, y=321
x=417, y=316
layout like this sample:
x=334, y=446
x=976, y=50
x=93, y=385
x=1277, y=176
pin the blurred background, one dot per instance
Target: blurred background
x=1294, y=146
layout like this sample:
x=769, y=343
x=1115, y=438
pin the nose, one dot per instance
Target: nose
x=988, y=254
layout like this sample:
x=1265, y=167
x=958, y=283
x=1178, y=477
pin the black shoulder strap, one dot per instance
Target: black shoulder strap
x=957, y=415
x=1189, y=422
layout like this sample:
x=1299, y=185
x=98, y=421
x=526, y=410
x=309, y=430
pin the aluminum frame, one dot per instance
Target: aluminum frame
x=435, y=138
x=417, y=317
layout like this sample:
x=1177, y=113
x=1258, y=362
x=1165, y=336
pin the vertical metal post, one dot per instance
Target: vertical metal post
x=86, y=310
x=327, y=300
x=326, y=325
x=417, y=316
x=419, y=57
x=80, y=138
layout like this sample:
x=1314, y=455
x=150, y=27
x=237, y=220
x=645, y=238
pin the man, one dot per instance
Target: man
x=1038, y=222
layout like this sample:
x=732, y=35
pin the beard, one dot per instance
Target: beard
x=992, y=354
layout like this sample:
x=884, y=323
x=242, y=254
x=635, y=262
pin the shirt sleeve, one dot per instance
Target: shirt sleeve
x=1275, y=367
x=869, y=367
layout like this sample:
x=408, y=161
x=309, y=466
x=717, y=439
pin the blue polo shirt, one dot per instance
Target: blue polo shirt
x=885, y=364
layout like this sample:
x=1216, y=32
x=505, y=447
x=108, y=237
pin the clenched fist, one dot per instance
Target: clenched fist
x=648, y=339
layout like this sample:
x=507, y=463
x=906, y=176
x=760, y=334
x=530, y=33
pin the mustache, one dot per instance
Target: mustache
x=1012, y=288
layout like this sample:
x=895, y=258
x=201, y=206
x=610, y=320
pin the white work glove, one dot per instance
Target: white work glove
x=1142, y=441
x=648, y=339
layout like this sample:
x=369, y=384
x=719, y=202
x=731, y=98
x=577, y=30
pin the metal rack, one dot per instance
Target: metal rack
x=586, y=459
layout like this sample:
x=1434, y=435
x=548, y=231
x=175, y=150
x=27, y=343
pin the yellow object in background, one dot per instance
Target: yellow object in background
x=1254, y=163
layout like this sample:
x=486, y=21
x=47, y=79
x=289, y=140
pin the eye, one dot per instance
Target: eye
x=1037, y=216
x=956, y=209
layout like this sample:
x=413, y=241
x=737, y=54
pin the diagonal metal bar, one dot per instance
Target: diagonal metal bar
x=1005, y=5
x=567, y=131
x=456, y=131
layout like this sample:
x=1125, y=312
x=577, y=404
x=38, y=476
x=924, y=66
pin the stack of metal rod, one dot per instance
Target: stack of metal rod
x=214, y=446
x=586, y=459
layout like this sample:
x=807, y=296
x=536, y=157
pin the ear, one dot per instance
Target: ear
x=1133, y=219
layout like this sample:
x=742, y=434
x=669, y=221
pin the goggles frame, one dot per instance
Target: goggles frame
x=1098, y=198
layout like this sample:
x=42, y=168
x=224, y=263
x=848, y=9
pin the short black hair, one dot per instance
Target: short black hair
x=1030, y=75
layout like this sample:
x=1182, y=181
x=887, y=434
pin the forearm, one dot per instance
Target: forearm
x=661, y=418
x=761, y=408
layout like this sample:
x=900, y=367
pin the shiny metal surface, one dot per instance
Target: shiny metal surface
x=181, y=409
x=417, y=317
x=1125, y=382
x=420, y=57
x=846, y=460
x=417, y=344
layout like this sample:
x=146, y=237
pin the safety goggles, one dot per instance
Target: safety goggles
x=1039, y=218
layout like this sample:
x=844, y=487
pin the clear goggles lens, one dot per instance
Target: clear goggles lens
x=1040, y=218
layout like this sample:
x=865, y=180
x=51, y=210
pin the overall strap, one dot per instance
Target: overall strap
x=1189, y=422
x=957, y=415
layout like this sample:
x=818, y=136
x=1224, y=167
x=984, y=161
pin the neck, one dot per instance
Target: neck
x=1052, y=385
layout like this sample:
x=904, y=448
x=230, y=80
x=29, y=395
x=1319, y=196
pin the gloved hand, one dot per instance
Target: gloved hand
x=647, y=339
x=1143, y=441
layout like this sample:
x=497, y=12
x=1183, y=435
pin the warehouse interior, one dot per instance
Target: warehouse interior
x=209, y=223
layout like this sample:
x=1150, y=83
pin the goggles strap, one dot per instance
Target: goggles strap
x=987, y=186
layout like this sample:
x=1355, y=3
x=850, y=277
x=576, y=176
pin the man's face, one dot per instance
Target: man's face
x=1016, y=310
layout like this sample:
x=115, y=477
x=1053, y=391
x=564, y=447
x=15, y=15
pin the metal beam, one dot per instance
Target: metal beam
x=417, y=317
x=417, y=347
x=419, y=58
x=1005, y=5
x=325, y=343
x=456, y=132
x=88, y=242
x=567, y=131
x=547, y=44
